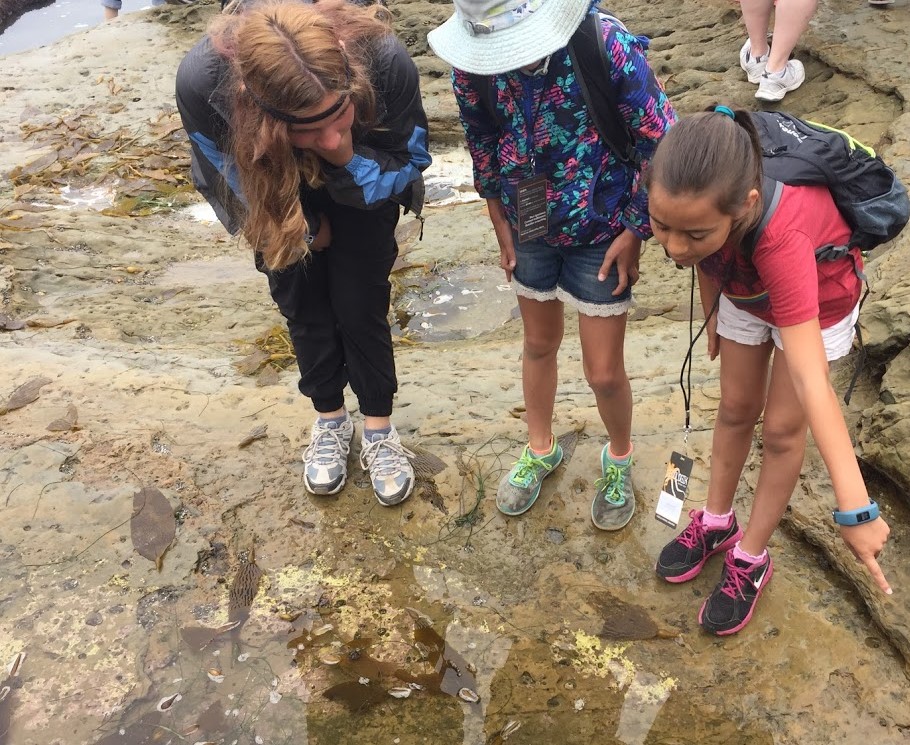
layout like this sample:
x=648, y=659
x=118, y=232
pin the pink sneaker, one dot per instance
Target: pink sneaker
x=732, y=603
x=684, y=556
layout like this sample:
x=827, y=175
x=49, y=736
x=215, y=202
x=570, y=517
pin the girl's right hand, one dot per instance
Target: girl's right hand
x=713, y=338
x=866, y=541
x=507, y=258
x=503, y=232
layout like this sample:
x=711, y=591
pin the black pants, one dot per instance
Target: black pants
x=336, y=303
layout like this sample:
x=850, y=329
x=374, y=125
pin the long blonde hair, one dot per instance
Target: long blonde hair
x=287, y=56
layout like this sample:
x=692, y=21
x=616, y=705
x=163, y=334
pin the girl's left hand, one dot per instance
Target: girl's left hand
x=866, y=542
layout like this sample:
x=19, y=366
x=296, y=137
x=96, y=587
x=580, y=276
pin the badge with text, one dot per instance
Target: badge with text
x=532, y=208
x=674, y=490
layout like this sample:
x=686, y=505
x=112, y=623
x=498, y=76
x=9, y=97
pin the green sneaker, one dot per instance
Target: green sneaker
x=614, y=501
x=518, y=490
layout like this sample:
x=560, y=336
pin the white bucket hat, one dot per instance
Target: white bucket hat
x=487, y=37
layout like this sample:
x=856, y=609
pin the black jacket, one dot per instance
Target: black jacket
x=388, y=160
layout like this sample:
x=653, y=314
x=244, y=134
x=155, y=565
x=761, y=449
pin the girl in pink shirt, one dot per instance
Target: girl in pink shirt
x=780, y=318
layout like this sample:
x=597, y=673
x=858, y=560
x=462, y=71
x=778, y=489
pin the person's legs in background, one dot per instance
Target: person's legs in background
x=111, y=8
x=772, y=67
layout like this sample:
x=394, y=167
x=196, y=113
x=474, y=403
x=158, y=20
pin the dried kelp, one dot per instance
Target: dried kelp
x=426, y=466
x=152, y=525
x=257, y=433
x=244, y=589
x=25, y=394
x=567, y=441
x=150, y=169
x=67, y=422
x=625, y=621
x=271, y=349
x=198, y=638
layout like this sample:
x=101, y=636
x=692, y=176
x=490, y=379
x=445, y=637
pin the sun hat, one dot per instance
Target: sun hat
x=487, y=37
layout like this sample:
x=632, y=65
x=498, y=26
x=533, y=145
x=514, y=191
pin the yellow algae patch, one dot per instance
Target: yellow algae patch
x=362, y=598
x=593, y=657
x=652, y=693
x=119, y=581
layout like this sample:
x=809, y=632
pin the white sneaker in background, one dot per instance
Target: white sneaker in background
x=753, y=66
x=774, y=86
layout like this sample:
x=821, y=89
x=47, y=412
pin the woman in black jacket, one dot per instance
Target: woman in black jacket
x=308, y=135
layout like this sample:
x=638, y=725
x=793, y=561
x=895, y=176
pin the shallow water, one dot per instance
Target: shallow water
x=43, y=26
x=456, y=303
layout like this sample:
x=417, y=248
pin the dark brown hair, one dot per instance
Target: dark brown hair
x=713, y=153
x=287, y=56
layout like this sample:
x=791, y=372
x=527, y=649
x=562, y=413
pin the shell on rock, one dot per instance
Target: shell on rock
x=168, y=701
x=466, y=694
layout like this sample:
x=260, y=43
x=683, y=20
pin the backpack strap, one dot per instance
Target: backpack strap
x=592, y=71
x=771, y=191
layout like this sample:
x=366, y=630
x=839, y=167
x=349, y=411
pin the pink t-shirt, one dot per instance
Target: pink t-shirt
x=784, y=284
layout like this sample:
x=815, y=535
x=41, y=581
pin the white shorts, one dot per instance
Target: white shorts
x=744, y=328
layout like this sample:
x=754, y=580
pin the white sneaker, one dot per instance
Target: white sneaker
x=326, y=457
x=390, y=470
x=774, y=86
x=753, y=66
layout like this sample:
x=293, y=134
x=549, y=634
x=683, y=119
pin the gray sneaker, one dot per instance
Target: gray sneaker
x=614, y=501
x=390, y=470
x=774, y=87
x=752, y=66
x=520, y=487
x=326, y=457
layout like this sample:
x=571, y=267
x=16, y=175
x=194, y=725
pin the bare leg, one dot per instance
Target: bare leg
x=743, y=377
x=784, y=438
x=602, y=342
x=110, y=13
x=757, y=18
x=543, y=330
x=791, y=19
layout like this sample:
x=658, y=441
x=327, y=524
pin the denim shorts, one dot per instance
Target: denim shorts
x=543, y=273
x=742, y=327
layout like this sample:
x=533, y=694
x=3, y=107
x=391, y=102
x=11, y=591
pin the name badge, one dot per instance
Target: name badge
x=674, y=489
x=532, y=208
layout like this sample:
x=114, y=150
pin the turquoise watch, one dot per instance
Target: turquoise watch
x=858, y=516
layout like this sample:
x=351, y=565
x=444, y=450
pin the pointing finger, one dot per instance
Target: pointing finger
x=876, y=571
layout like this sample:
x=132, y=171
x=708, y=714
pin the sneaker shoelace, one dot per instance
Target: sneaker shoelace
x=528, y=468
x=694, y=534
x=613, y=484
x=735, y=577
x=383, y=457
x=327, y=446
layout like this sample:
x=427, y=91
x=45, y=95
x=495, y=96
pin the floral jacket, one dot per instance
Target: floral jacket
x=544, y=127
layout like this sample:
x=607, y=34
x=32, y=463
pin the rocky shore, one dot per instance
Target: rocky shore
x=134, y=323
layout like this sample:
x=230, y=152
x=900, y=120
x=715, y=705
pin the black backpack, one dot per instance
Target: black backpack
x=866, y=191
x=592, y=70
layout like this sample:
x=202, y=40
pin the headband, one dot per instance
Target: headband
x=282, y=116
x=726, y=111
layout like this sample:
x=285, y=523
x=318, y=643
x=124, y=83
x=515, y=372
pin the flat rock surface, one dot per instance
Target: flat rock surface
x=141, y=317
